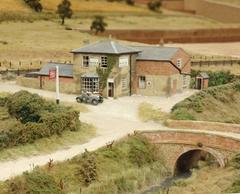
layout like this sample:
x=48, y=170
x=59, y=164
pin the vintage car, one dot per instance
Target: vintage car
x=88, y=97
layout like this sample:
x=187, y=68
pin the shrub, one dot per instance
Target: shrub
x=34, y=4
x=87, y=170
x=182, y=114
x=154, y=5
x=25, y=106
x=123, y=185
x=130, y=2
x=98, y=24
x=141, y=151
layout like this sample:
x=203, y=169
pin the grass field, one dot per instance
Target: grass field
x=13, y=5
x=230, y=2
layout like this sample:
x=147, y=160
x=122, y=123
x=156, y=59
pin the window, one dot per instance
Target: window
x=90, y=84
x=85, y=61
x=124, y=83
x=185, y=81
x=104, y=62
x=179, y=63
x=142, y=82
x=123, y=61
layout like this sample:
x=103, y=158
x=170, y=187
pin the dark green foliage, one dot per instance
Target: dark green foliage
x=141, y=151
x=98, y=24
x=36, y=182
x=87, y=171
x=34, y=4
x=154, y=5
x=64, y=10
x=38, y=119
x=183, y=114
x=235, y=162
x=216, y=78
x=3, y=101
x=25, y=106
x=130, y=2
x=104, y=73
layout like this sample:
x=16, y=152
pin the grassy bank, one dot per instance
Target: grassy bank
x=219, y=104
x=21, y=135
x=125, y=167
x=146, y=112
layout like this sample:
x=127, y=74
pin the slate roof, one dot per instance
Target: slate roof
x=106, y=47
x=203, y=75
x=156, y=53
x=65, y=70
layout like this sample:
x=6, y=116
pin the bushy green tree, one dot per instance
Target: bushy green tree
x=25, y=106
x=154, y=5
x=64, y=10
x=98, y=24
x=35, y=5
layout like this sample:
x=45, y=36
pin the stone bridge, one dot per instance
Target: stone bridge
x=182, y=150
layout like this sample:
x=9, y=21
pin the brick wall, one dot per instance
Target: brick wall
x=190, y=138
x=203, y=125
x=177, y=36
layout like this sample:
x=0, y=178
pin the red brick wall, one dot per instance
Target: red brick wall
x=203, y=125
x=151, y=68
x=61, y=79
x=186, y=61
x=189, y=138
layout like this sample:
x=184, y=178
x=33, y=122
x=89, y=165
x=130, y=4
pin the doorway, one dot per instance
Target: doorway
x=110, y=89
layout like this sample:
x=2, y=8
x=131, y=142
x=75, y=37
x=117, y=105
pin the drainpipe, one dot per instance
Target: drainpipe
x=130, y=74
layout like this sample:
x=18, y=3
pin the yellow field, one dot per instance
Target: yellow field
x=13, y=5
x=231, y=2
x=94, y=5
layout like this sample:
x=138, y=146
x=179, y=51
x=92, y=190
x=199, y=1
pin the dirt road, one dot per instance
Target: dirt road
x=114, y=119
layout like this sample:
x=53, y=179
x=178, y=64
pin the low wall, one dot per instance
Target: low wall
x=175, y=36
x=65, y=87
x=215, y=10
x=203, y=125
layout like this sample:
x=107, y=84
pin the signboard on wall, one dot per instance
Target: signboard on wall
x=52, y=73
x=123, y=61
x=94, y=61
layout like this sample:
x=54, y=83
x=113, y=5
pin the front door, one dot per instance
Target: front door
x=110, y=89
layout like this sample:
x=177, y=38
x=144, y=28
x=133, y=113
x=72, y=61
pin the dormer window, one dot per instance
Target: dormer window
x=104, y=62
x=85, y=61
x=179, y=63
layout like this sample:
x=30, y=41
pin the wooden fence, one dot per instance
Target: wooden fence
x=215, y=62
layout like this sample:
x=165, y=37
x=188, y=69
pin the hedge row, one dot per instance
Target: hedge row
x=37, y=118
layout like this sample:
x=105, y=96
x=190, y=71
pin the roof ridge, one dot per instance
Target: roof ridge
x=113, y=46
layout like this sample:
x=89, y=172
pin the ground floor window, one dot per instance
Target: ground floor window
x=185, y=81
x=142, y=82
x=90, y=84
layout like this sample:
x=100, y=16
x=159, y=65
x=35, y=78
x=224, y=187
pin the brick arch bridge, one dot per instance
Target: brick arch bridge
x=186, y=146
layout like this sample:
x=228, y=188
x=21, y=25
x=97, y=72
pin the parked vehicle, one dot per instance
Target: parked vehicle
x=88, y=97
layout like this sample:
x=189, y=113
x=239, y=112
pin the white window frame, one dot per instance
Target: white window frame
x=179, y=63
x=104, y=62
x=90, y=84
x=142, y=82
x=185, y=81
x=124, y=83
x=85, y=61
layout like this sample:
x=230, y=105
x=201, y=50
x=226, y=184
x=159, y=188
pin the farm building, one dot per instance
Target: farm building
x=140, y=70
x=115, y=70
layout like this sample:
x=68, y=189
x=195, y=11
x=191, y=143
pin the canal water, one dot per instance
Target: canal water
x=166, y=184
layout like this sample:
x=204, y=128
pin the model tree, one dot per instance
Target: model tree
x=98, y=24
x=64, y=10
x=34, y=4
x=154, y=5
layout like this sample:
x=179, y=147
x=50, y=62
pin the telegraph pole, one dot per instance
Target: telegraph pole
x=57, y=85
